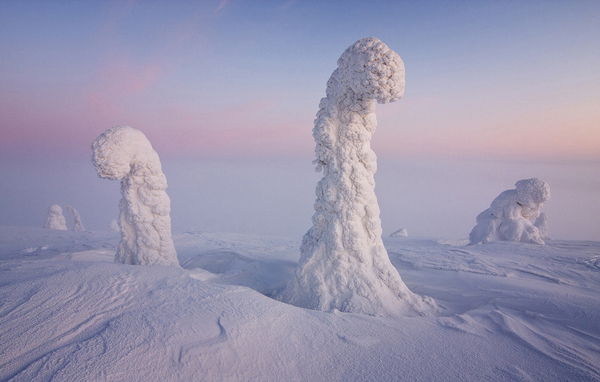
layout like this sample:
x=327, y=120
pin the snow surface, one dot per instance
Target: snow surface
x=77, y=223
x=512, y=215
x=55, y=218
x=124, y=153
x=343, y=263
x=508, y=312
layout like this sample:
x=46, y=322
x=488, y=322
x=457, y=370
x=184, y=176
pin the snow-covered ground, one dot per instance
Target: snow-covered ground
x=510, y=311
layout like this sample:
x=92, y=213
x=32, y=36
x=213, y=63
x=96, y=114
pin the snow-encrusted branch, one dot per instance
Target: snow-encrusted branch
x=511, y=215
x=55, y=218
x=343, y=263
x=124, y=153
x=77, y=225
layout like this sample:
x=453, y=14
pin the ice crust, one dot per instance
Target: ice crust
x=511, y=215
x=55, y=218
x=124, y=153
x=77, y=224
x=343, y=264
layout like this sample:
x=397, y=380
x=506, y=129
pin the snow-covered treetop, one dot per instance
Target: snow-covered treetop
x=532, y=192
x=372, y=71
x=122, y=149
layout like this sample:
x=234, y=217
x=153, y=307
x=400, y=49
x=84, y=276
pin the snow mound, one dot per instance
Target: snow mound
x=55, y=218
x=123, y=153
x=343, y=263
x=511, y=215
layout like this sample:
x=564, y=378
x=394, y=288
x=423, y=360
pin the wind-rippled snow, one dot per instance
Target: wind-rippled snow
x=509, y=312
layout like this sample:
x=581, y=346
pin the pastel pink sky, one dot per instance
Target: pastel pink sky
x=234, y=79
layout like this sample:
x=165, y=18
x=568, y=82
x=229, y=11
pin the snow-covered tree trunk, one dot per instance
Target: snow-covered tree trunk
x=343, y=263
x=124, y=153
x=55, y=218
x=77, y=225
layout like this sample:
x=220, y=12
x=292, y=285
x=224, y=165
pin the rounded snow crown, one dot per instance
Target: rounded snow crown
x=532, y=191
x=55, y=209
x=118, y=149
x=373, y=70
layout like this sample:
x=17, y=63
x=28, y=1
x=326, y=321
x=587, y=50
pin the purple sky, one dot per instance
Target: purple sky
x=485, y=80
x=227, y=91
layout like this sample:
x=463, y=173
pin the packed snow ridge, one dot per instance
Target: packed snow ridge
x=124, y=153
x=343, y=263
x=511, y=215
x=55, y=218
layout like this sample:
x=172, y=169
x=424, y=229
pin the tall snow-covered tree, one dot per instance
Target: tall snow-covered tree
x=343, y=263
x=124, y=153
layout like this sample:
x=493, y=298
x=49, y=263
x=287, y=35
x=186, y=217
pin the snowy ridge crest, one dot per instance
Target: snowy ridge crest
x=124, y=153
x=343, y=263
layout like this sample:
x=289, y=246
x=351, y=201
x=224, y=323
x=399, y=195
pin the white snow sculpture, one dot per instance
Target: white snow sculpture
x=113, y=226
x=78, y=225
x=55, y=218
x=343, y=263
x=510, y=216
x=542, y=225
x=124, y=153
x=400, y=233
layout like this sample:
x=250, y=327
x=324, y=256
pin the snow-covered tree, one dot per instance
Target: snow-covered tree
x=55, y=218
x=511, y=215
x=343, y=263
x=78, y=225
x=124, y=153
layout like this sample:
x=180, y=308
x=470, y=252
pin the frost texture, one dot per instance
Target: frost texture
x=511, y=215
x=343, y=263
x=78, y=225
x=400, y=233
x=124, y=153
x=55, y=218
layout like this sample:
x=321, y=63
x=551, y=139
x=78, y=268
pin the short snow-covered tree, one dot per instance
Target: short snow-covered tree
x=77, y=225
x=511, y=215
x=55, y=218
x=124, y=153
x=113, y=226
x=343, y=263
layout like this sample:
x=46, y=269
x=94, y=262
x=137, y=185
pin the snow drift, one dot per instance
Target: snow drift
x=55, y=218
x=124, y=153
x=77, y=223
x=511, y=215
x=343, y=263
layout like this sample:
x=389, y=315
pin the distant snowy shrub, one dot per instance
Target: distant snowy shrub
x=55, y=218
x=400, y=233
x=124, y=153
x=343, y=263
x=511, y=215
x=77, y=225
